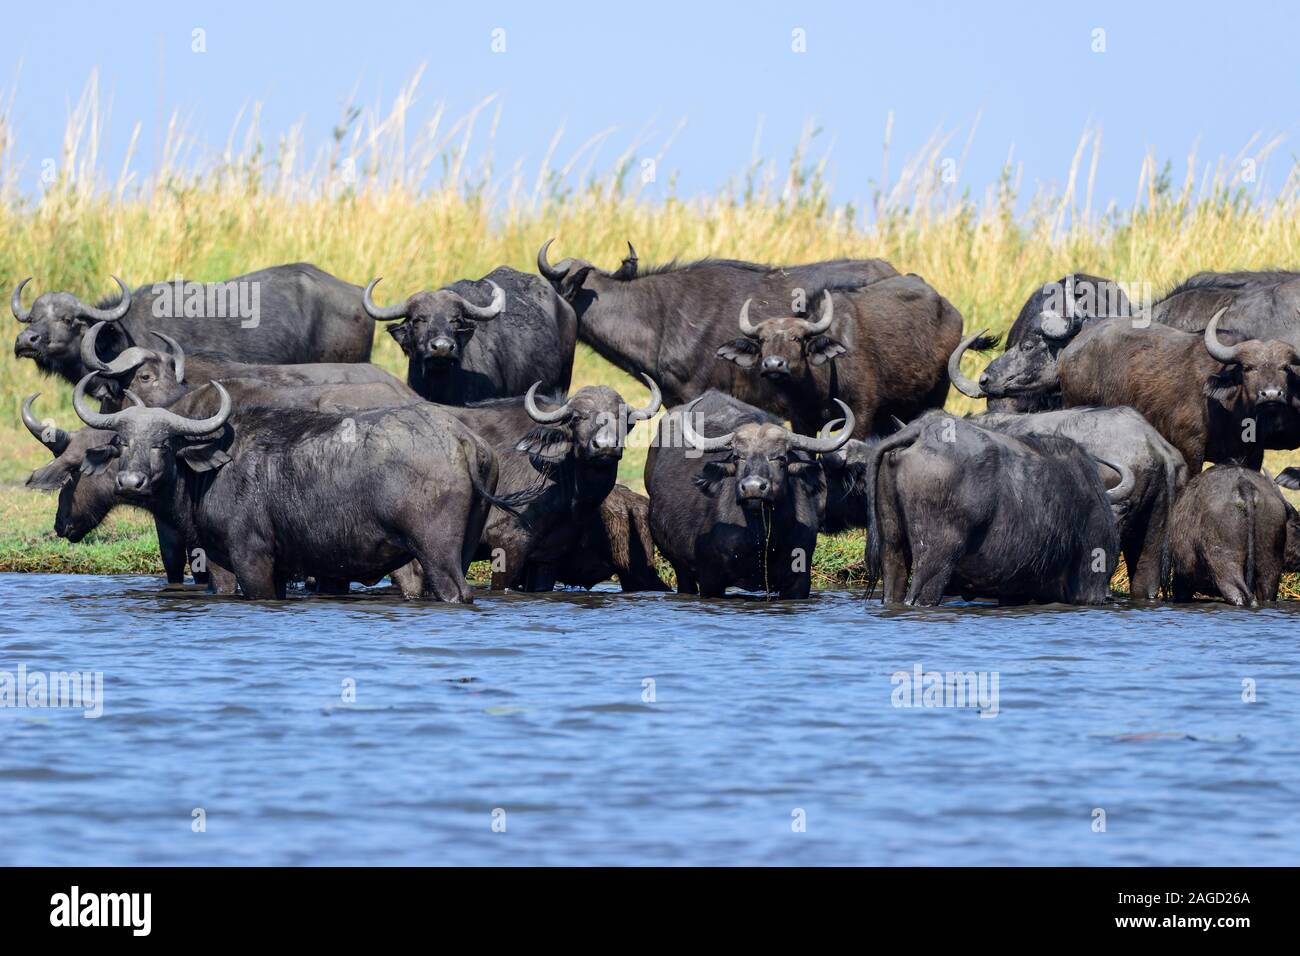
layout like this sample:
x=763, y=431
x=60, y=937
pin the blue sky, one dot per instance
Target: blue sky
x=1170, y=75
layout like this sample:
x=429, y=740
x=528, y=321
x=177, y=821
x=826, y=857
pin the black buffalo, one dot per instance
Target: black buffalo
x=618, y=544
x=86, y=463
x=966, y=510
x=276, y=493
x=1123, y=436
x=882, y=349
x=666, y=321
x=738, y=500
x=1023, y=378
x=1255, y=305
x=283, y=315
x=489, y=338
x=159, y=376
x=1229, y=536
x=564, y=460
x=1213, y=399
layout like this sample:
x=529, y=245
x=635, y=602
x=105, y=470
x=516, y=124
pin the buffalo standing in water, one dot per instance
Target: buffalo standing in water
x=1231, y=528
x=564, y=462
x=967, y=510
x=276, y=494
x=283, y=315
x=738, y=502
x=85, y=466
x=666, y=321
x=460, y=352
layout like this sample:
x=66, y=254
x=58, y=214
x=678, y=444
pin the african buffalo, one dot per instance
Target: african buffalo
x=1229, y=536
x=564, y=459
x=279, y=493
x=882, y=349
x=1256, y=305
x=283, y=315
x=617, y=544
x=84, y=469
x=1120, y=435
x=1023, y=378
x=666, y=320
x=1259, y=305
x=738, y=501
x=1212, y=400
x=964, y=509
x=161, y=376
x=460, y=351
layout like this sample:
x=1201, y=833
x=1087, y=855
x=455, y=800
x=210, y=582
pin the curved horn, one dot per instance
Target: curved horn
x=747, y=327
x=544, y=265
x=1055, y=326
x=959, y=381
x=1224, y=353
x=824, y=323
x=536, y=414
x=387, y=313
x=177, y=355
x=822, y=445
x=93, y=419
x=58, y=443
x=652, y=406
x=89, y=353
x=1126, y=481
x=107, y=315
x=627, y=268
x=16, y=303
x=201, y=426
x=484, y=312
x=697, y=441
x=123, y=363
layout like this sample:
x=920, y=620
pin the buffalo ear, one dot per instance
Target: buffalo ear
x=547, y=444
x=401, y=333
x=1222, y=386
x=97, y=459
x=571, y=284
x=203, y=456
x=1289, y=478
x=49, y=478
x=823, y=348
x=744, y=352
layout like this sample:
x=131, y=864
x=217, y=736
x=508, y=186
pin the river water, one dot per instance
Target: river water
x=601, y=728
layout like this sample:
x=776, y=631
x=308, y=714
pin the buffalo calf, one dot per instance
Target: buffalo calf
x=1229, y=536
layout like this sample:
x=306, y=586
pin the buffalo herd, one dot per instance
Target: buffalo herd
x=246, y=418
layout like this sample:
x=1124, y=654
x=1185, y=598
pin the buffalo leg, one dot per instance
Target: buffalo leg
x=933, y=570
x=895, y=555
x=797, y=588
x=444, y=580
x=255, y=574
x=220, y=581
x=539, y=577
x=409, y=579
x=171, y=548
x=686, y=583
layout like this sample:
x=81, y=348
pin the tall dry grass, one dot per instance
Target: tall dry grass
x=386, y=196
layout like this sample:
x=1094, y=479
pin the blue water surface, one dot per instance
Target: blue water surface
x=526, y=730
